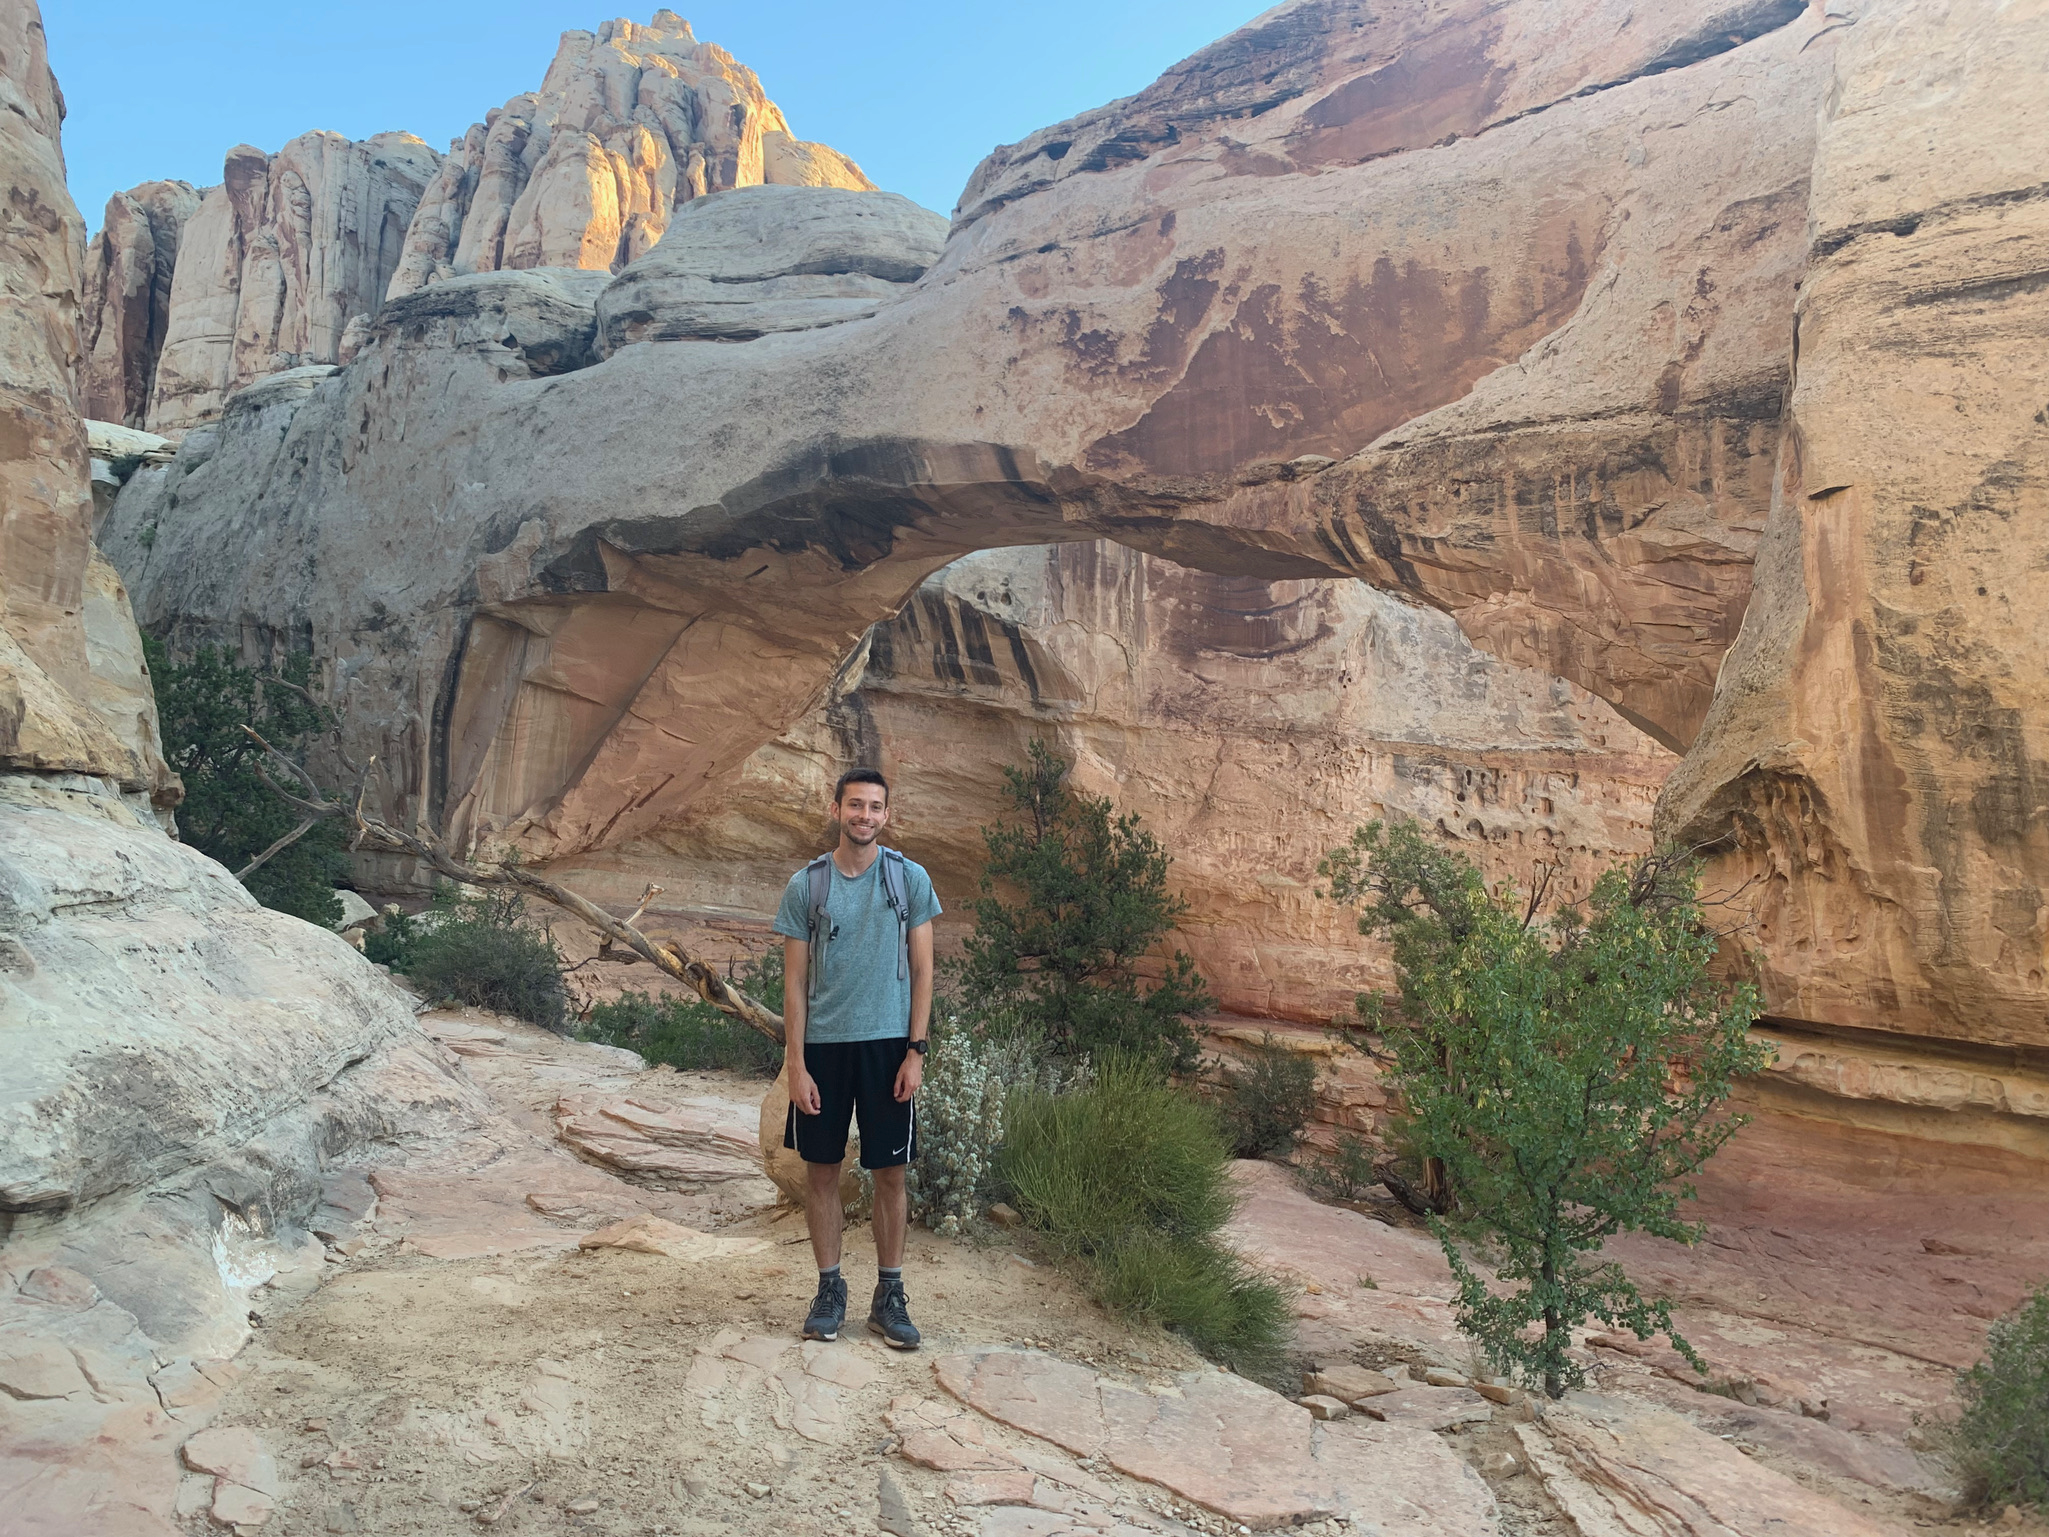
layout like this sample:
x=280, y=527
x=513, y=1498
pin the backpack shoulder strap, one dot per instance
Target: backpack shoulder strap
x=894, y=883
x=818, y=880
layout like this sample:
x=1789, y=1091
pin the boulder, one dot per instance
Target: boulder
x=630, y=123
x=741, y=264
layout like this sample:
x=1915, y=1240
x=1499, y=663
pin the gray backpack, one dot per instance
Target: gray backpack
x=818, y=875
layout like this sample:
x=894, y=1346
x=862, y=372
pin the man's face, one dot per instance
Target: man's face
x=862, y=812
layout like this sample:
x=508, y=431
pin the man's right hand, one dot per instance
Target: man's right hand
x=803, y=1090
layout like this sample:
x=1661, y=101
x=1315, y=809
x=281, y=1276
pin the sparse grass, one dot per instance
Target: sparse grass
x=1999, y=1444
x=1131, y=1179
x=1267, y=1102
x=691, y=1035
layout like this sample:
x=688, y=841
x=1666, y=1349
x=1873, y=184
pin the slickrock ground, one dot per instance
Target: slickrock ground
x=468, y=1366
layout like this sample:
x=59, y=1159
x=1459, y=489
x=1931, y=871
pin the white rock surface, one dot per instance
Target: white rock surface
x=737, y=265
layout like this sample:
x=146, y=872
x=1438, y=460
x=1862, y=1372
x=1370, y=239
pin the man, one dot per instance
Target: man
x=857, y=956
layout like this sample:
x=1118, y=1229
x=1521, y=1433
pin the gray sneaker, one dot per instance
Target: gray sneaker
x=890, y=1316
x=828, y=1309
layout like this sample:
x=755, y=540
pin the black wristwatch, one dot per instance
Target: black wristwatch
x=920, y=1047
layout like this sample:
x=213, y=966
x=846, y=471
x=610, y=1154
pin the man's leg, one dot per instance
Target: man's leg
x=824, y=1216
x=892, y=1216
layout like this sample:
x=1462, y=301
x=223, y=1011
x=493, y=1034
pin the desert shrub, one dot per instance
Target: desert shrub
x=1092, y=903
x=1130, y=1178
x=391, y=944
x=228, y=813
x=688, y=1033
x=1269, y=1100
x=1348, y=1173
x=977, y=1064
x=481, y=949
x=1999, y=1444
x=1560, y=1079
x=960, y=1124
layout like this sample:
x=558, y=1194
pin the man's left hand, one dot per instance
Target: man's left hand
x=910, y=1075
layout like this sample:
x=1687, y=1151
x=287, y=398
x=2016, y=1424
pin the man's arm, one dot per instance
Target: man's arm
x=912, y=1073
x=796, y=990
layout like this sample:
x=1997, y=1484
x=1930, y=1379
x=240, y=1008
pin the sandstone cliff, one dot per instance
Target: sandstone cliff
x=277, y=260
x=1252, y=724
x=630, y=123
x=1493, y=306
x=127, y=296
x=1876, y=760
x=179, y=1063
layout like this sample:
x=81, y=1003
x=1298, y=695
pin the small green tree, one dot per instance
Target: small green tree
x=1569, y=1076
x=1094, y=901
x=228, y=813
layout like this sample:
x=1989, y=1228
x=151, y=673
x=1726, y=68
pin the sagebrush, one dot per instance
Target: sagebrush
x=483, y=950
x=1999, y=1443
x=689, y=1034
x=1130, y=1178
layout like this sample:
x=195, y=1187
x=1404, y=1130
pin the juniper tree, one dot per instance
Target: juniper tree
x=228, y=813
x=1570, y=1075
x=1093, y=901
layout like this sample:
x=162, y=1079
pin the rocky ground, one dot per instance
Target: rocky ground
x=583, y=1318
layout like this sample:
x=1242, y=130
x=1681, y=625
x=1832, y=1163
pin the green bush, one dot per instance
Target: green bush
x=1561, y=1080
x=1269, y=1100
x=1348, y=1173
x=481, y=950
x=691, y=1035
x=1999, y=1445
x=1130, y=1178
x=392, y=944
x=1093, y=902
x=229, y=814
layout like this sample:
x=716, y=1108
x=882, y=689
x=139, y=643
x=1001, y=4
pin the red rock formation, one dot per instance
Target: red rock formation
x=1877, y=760
x=127, y=297
x=1252, y=724
x=278, y=259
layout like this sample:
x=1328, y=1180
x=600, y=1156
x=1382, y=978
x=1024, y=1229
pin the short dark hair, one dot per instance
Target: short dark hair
x=859, y=776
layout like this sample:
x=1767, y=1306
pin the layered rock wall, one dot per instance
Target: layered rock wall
x=630, y=123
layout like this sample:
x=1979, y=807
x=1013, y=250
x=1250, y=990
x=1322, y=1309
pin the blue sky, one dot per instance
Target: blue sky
x=916, y=92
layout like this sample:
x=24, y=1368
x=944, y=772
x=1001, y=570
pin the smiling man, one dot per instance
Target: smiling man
x=857, y=953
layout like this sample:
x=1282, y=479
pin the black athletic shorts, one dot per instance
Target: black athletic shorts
x=856, y=1078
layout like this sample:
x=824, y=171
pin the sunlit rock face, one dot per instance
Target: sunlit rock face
x=1876, y=759
x=1252, y=724
x=630, y=124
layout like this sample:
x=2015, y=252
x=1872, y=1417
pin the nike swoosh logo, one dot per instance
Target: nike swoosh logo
x=904, y=1149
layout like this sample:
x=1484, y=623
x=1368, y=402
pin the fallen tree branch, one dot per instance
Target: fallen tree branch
x=278, y=847
x=376, y=833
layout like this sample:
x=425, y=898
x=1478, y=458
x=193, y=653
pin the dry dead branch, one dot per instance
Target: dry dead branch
x=373, y=832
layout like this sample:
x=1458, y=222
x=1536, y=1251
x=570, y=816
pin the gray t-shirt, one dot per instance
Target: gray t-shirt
x=859, y=996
